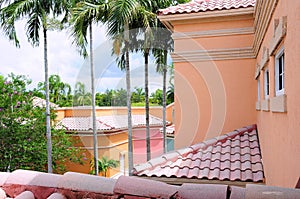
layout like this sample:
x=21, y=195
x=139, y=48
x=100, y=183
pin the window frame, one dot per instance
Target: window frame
x=280, y=54
x=266, y=83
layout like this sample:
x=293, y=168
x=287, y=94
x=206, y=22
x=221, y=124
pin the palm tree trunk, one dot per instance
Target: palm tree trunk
x=48, y=125
x=164, y=98
x=130, y=144
x=93, y=102
x=146, y=56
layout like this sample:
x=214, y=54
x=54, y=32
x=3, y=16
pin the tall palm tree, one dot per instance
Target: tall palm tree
x=36, y=13
x=83, y=16
x=119, y=22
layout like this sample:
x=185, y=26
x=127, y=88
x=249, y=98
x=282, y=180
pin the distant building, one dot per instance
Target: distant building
x=112, y=130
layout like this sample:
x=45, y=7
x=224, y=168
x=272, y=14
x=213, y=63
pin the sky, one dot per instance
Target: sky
x=65, y=61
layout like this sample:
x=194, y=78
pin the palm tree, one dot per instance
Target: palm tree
x=83, y=16
x=36, y=13
x=120, y=18
x=104, y=164
x=82, y=97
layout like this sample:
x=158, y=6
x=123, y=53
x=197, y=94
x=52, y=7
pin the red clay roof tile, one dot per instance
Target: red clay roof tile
x=134, y=186
x=237, y=192
x=222, y=158
x=75, y=185
x=207, y=5
x=268, y=192
x=81, y=182
x=202, y=191
x=115, y=122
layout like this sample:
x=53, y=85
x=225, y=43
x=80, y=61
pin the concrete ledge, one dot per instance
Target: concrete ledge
x=265, y=105
x=257, y=106
x=278, y=104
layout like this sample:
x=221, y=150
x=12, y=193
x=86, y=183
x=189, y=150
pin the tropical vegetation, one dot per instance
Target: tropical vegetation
x=23, y=143
x=132, y=25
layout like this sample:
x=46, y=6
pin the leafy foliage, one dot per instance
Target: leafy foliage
x=23, y=143
x=104, y=164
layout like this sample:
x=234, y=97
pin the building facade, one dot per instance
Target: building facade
x=236, y=63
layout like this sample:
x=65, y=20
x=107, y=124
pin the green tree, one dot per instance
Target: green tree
x=22, y=142
x=157, y=97
x=59, y=92
x=104, y=164
x=138, y=95
x=81, y=96
x=36, y=13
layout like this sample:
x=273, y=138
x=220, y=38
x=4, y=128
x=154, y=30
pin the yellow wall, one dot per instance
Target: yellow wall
x=108, y=145
x=279, y=132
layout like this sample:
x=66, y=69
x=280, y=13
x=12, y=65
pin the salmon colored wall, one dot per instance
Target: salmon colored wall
x=100, y=111
x=193, y=25
x=279, y=132
x=169, y=113
x=213, y=97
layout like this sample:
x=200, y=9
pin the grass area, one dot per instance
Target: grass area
x=142, y=104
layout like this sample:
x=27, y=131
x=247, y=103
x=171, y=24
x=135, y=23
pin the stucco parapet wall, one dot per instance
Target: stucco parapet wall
x=278, y=104
x=215, y=54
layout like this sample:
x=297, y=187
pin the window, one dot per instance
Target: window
x=279, y=72
x=258, y=90
x=267, y=84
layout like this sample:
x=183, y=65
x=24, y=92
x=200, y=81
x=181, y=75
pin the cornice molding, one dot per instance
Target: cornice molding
x=263, y=15
x=214, y=54
x=213, y=33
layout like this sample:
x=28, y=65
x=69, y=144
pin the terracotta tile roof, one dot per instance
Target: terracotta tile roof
x=111, y=122
x=22, y=184
x=42, y=103
x=207, y=5
x=233, y=156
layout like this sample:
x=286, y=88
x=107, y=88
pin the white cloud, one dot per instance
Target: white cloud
x=65, y=61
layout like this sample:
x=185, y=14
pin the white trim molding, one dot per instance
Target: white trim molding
x=279, y=62
x=214, y=54
x=213, y=33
